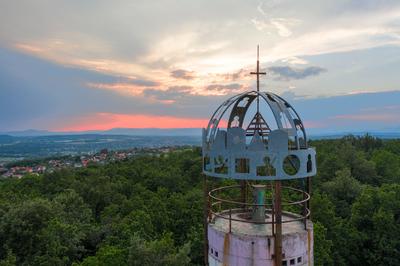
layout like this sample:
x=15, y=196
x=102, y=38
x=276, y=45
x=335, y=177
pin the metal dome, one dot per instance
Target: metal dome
x=259, y=136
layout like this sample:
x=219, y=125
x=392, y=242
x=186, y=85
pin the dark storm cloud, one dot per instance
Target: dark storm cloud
x=182, y=74
x=291, y=73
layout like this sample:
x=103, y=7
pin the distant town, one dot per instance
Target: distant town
x=19, y=169
x=20, y=148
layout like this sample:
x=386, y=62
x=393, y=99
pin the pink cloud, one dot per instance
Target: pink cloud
x=122, y=88
x=28, y=48
x=104, y=121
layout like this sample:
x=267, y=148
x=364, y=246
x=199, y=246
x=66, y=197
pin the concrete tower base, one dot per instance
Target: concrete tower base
x=250, y=244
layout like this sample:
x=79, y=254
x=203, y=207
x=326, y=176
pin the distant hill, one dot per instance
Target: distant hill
x=381, y=135
x=195, y=132
x=75, y=144
x=31, y=144
x=114, y=131
x=29, y=133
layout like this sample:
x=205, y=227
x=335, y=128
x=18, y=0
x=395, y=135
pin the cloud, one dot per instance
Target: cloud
x=197, y=39
x=126, y=86
x=28, y=100
x=290, y=73
x=182, y=74
x=132, y=88
x=294, y=61
x=211, y=50
x=171, y=95
x=358, y=112
x=175, y=93
x=260, y=24
x=239, y=75
x=283, y=26
x=144, y=82
x=28, y=48
x=189, y=32
x=290, y=95
x=105, y=121
x=121, y=88
x=77, y=56
x=224, y=89
x=280, y=25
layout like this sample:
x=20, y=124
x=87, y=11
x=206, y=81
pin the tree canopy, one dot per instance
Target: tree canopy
x=150, y=208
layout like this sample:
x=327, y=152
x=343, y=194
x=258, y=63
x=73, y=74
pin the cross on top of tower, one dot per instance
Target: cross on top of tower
x=258, y=73
x=258, y=123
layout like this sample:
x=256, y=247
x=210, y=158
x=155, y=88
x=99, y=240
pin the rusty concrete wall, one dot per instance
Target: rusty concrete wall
x=231, y=249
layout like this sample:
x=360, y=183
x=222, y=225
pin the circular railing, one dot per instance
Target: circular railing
x=224, y=208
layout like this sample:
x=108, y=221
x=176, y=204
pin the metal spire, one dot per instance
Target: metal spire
x=258, y=73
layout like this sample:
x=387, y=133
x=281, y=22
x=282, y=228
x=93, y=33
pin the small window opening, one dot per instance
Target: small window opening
x=292, y=143
x=206, y=162
x=302, y=143
x=309, y=164
x=292, y=261
x=267, y=169
x=299, y=260
x=221, y=165
x=216, y=253
x=242, y=165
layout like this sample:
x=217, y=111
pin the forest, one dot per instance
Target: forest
x=150, y=209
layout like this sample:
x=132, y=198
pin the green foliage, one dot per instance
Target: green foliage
x=323, y=209
x=149, y=210
x=387, y=165
x=376, y=217
x=356, y=199
x=107, y=255
x=322, y=246
x=10, y=259
x=93, y=216
x=343, y=189
x=158, y=252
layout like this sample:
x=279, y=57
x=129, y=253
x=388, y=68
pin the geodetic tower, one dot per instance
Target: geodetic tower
x=258, y=169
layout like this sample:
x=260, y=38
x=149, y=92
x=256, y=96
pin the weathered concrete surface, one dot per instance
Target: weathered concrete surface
x=253, y=245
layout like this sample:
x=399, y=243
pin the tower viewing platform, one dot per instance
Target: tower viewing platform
x=247, y=229
x=257, y=142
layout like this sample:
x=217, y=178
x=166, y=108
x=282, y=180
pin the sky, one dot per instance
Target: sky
x=76, y=65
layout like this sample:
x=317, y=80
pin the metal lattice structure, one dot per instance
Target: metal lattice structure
x=256, y=144
x=258, y=139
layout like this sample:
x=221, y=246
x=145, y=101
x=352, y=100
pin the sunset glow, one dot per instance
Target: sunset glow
x=105, y=121
x=133, y=63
